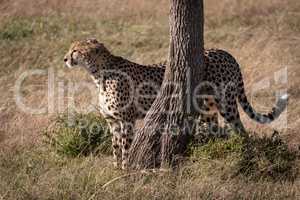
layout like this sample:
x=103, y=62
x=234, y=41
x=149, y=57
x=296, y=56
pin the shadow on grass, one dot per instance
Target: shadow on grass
x=268, y=158
x=254, y=158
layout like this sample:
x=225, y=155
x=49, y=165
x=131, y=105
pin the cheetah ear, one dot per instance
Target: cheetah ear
x=92, y=40
x=97, y=50
x=99, y=47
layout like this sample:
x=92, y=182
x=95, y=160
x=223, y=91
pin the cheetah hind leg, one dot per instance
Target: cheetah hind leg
x=209, y=116
x=211, y=123
x=229, y=111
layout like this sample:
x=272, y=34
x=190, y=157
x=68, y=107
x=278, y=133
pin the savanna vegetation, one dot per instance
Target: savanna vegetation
x=43, y=156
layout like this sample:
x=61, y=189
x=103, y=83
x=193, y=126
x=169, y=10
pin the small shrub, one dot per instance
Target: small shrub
x=80, y=135
x=268, y=158
x=217, y=148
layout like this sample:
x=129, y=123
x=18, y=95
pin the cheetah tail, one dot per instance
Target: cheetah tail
x=263, y=118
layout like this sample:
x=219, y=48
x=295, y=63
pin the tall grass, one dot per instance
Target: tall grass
x=262, y=35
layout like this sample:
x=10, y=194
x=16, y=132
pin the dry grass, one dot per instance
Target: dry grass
x=264, y=36
x=33, y=173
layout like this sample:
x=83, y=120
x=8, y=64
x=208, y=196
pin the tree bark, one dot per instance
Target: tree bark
x=167, y=125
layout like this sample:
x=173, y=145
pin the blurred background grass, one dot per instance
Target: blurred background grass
x=264, y=36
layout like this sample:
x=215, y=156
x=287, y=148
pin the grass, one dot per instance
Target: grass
x=255, y=158
x=231, y=168
x=218, y=148
x=16, y=30
x=220, y=168
x=268, y=158
x=263, y=36
x=81, y=135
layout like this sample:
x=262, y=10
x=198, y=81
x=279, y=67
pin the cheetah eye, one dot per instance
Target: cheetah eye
x=74, y=52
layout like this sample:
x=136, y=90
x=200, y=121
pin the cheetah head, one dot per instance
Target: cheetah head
x=85, y=53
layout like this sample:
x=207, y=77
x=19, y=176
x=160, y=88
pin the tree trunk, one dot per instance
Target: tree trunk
x=168, y=123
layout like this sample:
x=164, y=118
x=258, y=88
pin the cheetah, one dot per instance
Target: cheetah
x=127, y=90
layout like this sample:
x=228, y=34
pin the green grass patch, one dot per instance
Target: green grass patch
x=79, y=135
x=266, y=158
x=50, y=27
x=16, y=29
x=218, y=148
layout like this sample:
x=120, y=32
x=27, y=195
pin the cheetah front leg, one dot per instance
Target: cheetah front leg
x=115, y=128
x=127, y=137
